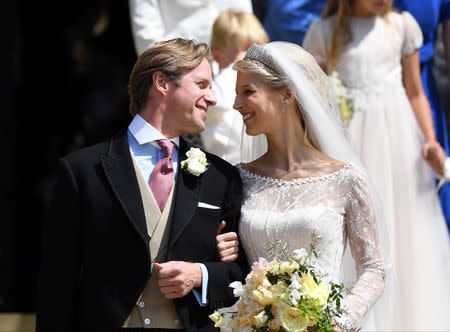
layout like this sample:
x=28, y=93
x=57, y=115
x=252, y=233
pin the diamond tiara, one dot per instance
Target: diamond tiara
x=260, y=54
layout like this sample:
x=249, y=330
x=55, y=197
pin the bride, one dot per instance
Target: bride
x=307, y=180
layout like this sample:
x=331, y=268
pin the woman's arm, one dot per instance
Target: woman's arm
x=413, y=85
x=362, y=233
x=416, y=95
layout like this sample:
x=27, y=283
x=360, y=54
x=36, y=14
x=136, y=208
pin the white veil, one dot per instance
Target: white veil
x=319, y=107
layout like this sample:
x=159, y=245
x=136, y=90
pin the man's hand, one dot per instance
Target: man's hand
x=227, y=244
x=176, y=278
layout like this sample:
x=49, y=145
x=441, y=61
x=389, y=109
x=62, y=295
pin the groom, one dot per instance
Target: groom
x=130, y=241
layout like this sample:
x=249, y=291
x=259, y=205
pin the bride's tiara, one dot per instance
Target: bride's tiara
x=260, y=54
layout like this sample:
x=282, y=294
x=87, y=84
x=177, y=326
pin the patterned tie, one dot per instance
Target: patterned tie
x=161, y=180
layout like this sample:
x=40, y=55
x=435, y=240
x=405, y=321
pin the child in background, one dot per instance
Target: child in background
x=232, y=34
x=374, y=50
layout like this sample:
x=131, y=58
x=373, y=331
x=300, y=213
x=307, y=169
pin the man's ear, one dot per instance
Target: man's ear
x=160, y=81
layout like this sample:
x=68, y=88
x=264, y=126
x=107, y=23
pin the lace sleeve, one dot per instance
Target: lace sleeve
x=361, y=228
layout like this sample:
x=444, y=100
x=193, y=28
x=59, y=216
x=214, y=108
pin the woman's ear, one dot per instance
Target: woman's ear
x=160, y=81
x=288, y=96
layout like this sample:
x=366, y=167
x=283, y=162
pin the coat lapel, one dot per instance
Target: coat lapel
x=186, y=196
x=120, y=172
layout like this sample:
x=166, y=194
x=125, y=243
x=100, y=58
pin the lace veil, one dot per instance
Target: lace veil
x=319, y=108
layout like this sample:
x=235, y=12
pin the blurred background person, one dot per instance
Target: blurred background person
x=233, y=33
x=429, y=15
x=155, y=20
x=374, y=50
x=289, y=20
x=441, y=67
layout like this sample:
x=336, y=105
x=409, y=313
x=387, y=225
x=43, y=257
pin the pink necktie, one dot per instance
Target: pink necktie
x=161, y=180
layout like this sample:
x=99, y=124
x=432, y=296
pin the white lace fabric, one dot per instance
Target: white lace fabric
x=337, y=208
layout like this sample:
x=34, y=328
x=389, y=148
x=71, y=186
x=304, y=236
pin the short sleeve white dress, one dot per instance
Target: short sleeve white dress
x=388, y=139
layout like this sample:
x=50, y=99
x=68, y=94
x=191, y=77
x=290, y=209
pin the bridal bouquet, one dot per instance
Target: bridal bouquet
x=345, y=101
x=283, y=295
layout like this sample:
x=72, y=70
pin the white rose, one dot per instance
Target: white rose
x=292, y=319
x=195, y=167
x=196, y=161
x=195, y=153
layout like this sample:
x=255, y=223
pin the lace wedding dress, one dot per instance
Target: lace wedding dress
x=337, y=208
x=388, y=139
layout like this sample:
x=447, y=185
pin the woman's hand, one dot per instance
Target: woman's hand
x=227, y=244
x=435, y=156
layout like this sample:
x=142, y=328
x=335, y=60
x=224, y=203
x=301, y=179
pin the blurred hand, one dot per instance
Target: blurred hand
x=227, y=244
x=435, y=156
x=176, y=278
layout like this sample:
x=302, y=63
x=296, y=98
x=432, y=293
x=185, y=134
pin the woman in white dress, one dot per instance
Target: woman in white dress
x=308, y=180
x=375, y=52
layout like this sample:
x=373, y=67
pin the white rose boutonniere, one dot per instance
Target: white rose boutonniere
x=195, y=163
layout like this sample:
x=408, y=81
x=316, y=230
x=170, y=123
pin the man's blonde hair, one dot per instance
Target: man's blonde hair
x=239, y=28
x=175, y=58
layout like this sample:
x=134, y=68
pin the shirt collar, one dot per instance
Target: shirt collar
x=144, y=132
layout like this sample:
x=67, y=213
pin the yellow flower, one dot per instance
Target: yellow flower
x=292, y=319
x=218, y=319
x=317, y=291
x=264, y=296
x=288, y=267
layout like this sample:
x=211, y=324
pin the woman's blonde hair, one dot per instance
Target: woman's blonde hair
x=342, y=35
x=240, y=28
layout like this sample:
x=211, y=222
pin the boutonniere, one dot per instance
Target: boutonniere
x=195, y=163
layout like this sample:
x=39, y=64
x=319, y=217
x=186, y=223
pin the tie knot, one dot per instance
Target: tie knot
x=166, y=147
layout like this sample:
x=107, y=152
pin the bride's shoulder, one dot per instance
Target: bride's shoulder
x=358, y=177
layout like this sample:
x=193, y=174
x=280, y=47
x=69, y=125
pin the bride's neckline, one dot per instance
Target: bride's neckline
x=297, y=180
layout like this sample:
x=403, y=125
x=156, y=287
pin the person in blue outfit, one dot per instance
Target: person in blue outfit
x=289, y=20
x=429, y=14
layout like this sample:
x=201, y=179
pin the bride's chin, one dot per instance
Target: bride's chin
x=250, y=132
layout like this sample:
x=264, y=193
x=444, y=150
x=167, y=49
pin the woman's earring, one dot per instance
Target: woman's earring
x=283, y=108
